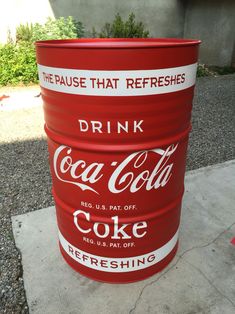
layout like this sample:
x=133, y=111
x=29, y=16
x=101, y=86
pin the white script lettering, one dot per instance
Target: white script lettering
x=130, y=174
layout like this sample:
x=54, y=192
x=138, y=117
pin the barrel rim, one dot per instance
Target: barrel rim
x=118, y=43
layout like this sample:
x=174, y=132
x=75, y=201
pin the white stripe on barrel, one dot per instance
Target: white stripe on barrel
x=117, y=83
x=117, y=265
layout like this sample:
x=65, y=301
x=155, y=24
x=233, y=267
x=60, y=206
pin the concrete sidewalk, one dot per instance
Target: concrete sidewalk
x=201, y=278
x=19, y=97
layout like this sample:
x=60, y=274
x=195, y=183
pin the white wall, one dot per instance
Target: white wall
x=15, y=12
x=212, y=21
x=163, y=18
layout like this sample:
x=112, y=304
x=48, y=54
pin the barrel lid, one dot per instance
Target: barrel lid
x=117, y=43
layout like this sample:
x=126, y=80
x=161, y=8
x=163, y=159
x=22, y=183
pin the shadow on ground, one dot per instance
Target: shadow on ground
x=26, y=186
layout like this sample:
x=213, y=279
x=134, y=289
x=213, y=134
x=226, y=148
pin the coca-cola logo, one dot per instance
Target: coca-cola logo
x=130, y=174
x=119, y=230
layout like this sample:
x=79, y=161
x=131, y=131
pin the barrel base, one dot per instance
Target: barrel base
x=119, y=278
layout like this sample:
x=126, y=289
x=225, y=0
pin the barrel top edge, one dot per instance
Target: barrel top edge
x=118, y=43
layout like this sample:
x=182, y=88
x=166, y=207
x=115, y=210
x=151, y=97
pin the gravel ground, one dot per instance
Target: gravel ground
x=24, y=168
x=212, y=139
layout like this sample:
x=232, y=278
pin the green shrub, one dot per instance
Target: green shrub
x=222, y=70
x=211, y=70
x=24, y=32
x=202, y=70
x=60, y=28
x=122, y=29
x=18, y=59
x=17, y=64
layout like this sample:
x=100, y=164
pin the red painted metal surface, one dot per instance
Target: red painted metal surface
x=117, y=116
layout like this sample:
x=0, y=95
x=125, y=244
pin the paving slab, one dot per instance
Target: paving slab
x=200, y=279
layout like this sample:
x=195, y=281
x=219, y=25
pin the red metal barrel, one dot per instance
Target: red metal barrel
x=117, y=115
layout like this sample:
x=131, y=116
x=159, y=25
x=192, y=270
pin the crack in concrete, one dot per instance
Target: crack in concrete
x=209, y=243
x=179, y=258
x=210, y=282
x=149, y=284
